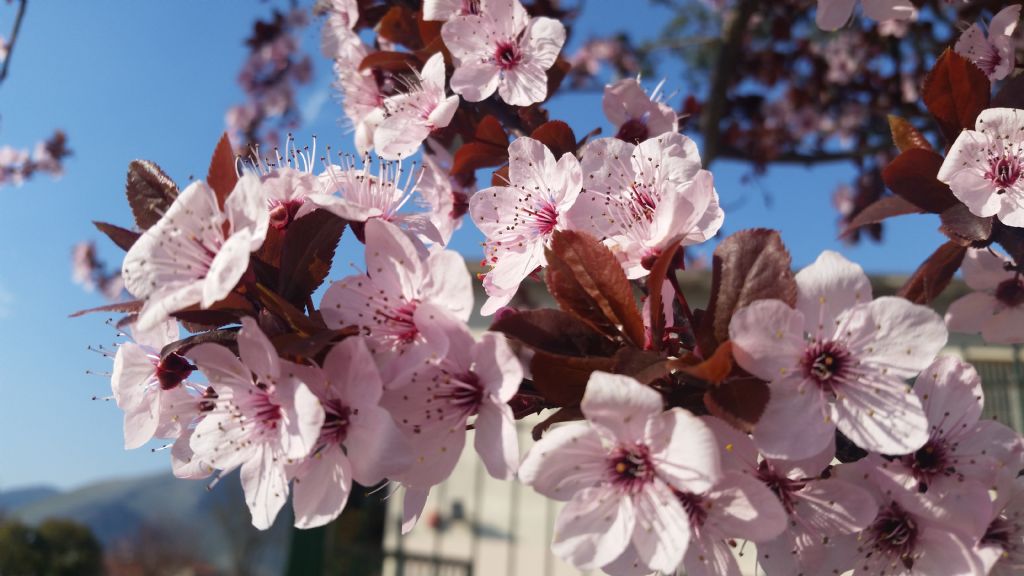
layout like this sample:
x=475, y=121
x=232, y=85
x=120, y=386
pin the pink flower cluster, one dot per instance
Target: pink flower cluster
x=47, y=157
x=274, y=67
x=392, y=402
x=797, y=412
x=91, y=273
x=653, y=490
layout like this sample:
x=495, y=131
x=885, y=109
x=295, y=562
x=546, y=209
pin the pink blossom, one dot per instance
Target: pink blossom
x=411, y=116
x=904, y=539
x=838, y=360
x=834, y=14
x=287, y=181
x=985, y=166
x=358, y=441
x=816, y=507
x=197, y=252
x=152, y=391
x=996, y=307
x=362, y=98
x=441, y=10
x=358, y=195
x=446, y=197
x=994, y=54
x=620, y=471
x=636, y=115
x=1001, y=549
x=264, y=418
x=646, y=198
x=435, y=401
x=961, y=450
x=519, y=219
x=502, y=49
x=403, y=291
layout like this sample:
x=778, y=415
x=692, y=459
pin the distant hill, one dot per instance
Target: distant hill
x=18, y=497
x=212, y=523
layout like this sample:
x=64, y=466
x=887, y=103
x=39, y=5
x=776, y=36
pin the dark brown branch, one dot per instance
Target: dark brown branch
x=733, y=34
x=14, y=37
x=806, y=159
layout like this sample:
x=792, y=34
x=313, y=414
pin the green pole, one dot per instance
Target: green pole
x=306, y=554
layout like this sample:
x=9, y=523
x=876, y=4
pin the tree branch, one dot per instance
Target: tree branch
x=14, y=37
x=722, y=76
x=807, y=159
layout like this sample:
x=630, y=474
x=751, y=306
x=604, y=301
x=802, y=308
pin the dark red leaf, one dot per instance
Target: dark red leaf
x=963, y=227
x=739, y=401
x=222, y=175
x=1011, y=95
x=715, y=369
x=150, y=192
x=399, y=26
x=397, y=62
x=554, y=331
x=934, y=274
x=642, y=365
x=587, y=280
x=557, y=136
x=1011, y=239
x=292, y=316
x=306, y=256
x=225, y=337
x=122, y=237
x=556, y=74
x=747, y=266
x=561, y=415
x=905, y=136
x=562, y=380
x=879, y=210
x=129, y=307
x=655, y=282
x=912, y=176
x=472, y=156
x=490, y=131
x=310, y=346
x=955, y=92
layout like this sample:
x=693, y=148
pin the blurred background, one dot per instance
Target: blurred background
x=791, y=120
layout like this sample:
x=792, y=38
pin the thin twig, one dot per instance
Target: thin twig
x=14, y=37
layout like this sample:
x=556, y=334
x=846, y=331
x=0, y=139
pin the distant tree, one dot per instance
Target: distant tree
x=55, y=548
x=71, y=549
x=21, y=550
x=153, y=550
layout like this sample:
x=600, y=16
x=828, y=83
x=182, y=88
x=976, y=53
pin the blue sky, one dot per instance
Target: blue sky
x=152, y=80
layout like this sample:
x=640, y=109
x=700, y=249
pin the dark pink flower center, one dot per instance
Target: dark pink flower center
x=696, y=507
x=643, y=201
x=1000, y=532
x=633, y=131
x=545, y=218
x=208, y=403
x=931, y=460
x=1004, y=171
x=466, y=392
x=282, y=213
x=337, y=418
x=264, y=410
x=630, y=467
x=1011, y=292
x=172, y=371
x=826, y=362
x=894, y=533
x=460, y=205
x=507, y=55
x=782, y=486
x=398, y=323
